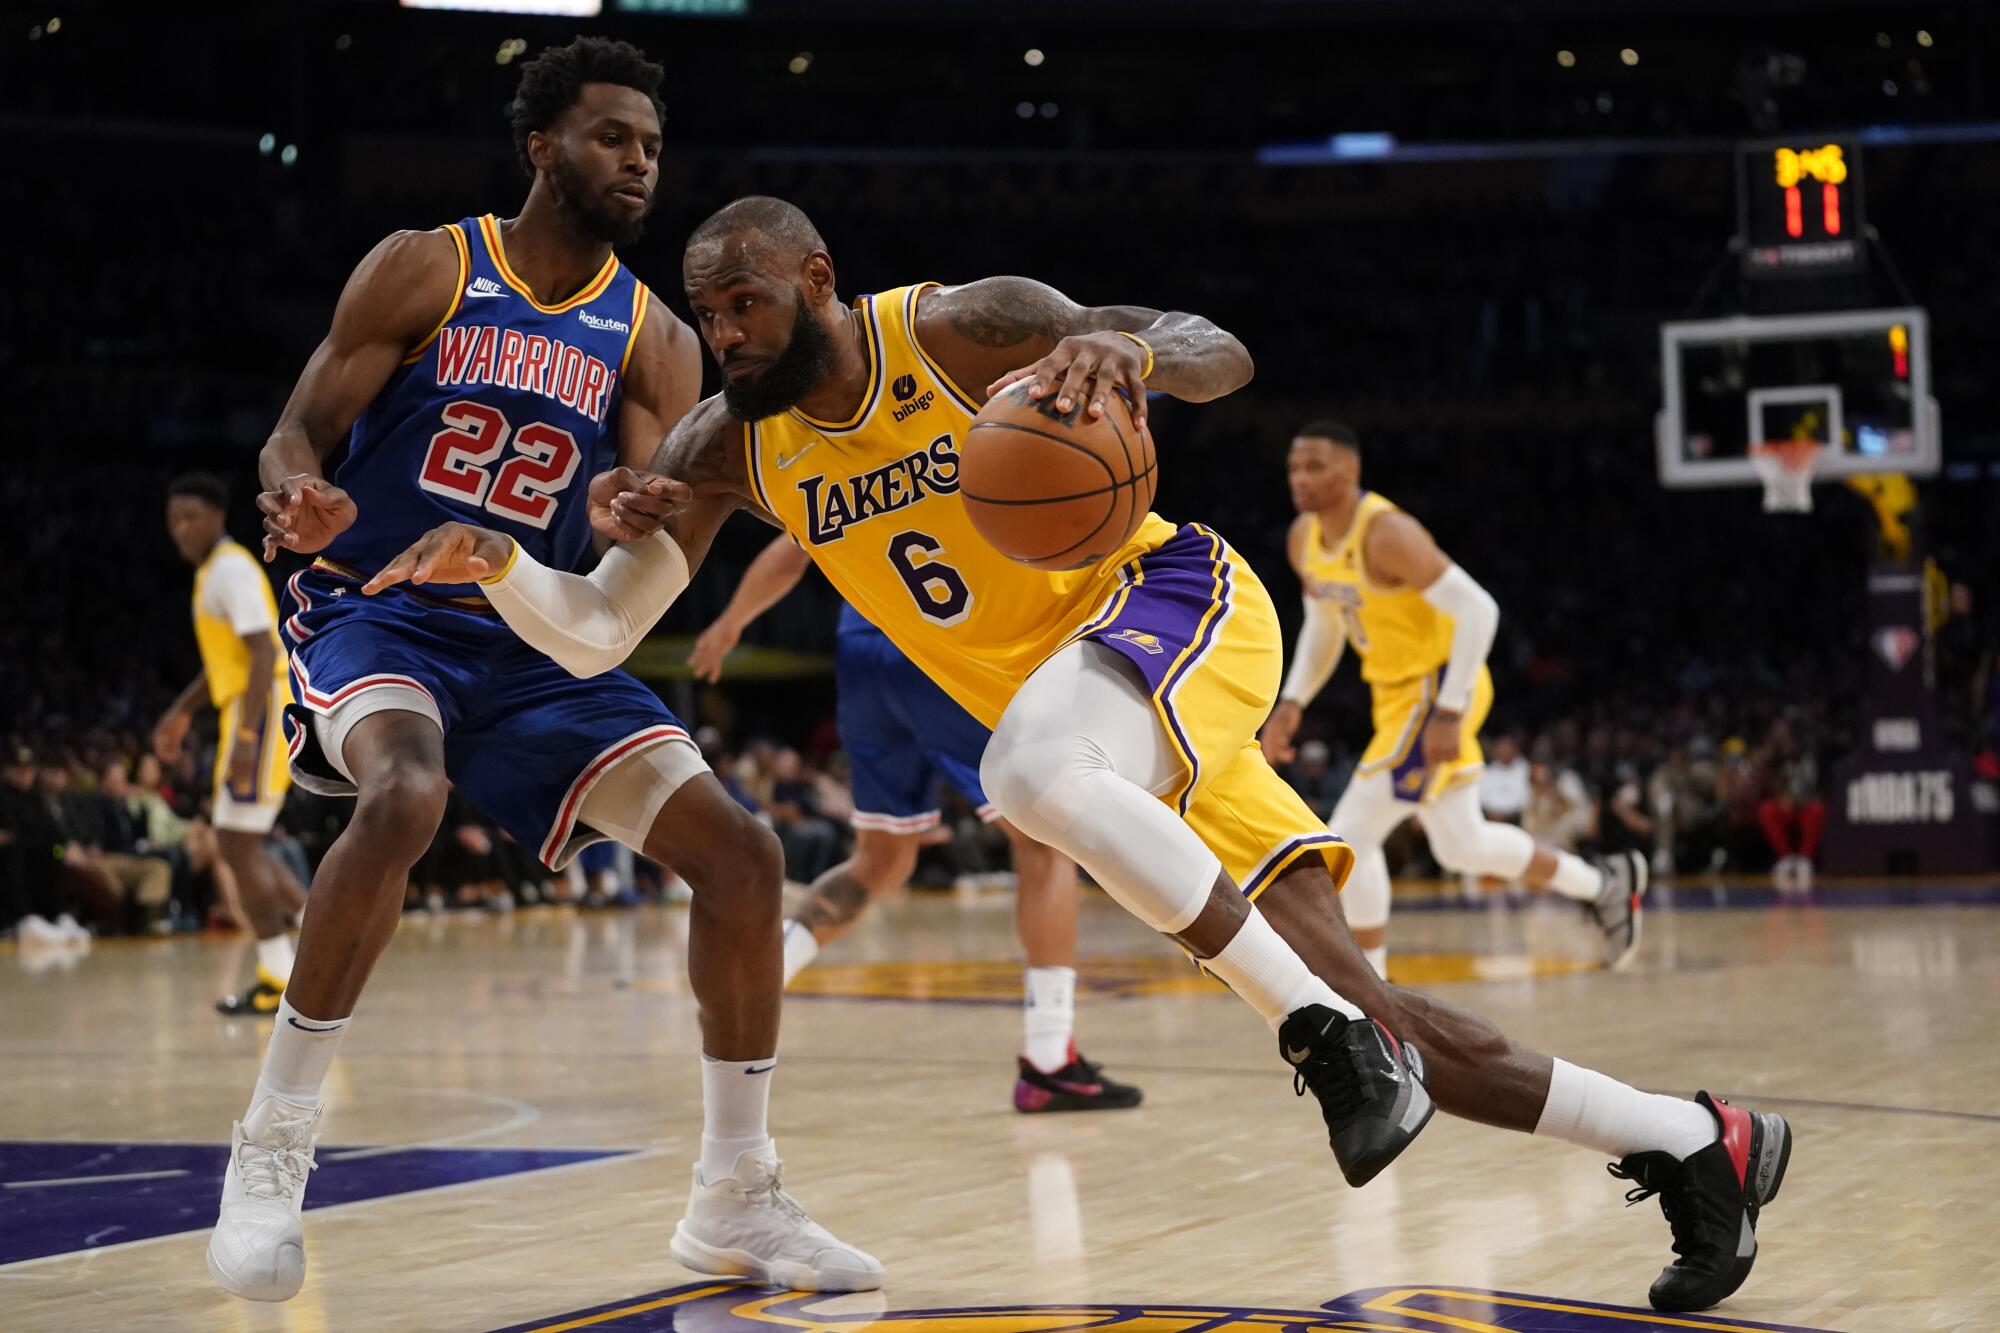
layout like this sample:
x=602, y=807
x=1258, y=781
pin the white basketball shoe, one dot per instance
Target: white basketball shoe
x=745, y=1225
x=258, y=1248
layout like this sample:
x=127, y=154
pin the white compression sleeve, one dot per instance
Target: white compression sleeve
x=589, y=624
x=1316, y=654
x=1475, y=618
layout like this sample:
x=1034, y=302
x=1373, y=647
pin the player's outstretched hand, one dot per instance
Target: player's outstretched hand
x=1086, y=368
x=710, y=647
x=304, y=514
x=1276, y=737
x=626, y=504
x=448, y=553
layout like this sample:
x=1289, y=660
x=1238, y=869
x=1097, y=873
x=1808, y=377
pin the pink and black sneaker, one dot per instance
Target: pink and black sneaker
x=1711, y=1201
x=1077, y=1086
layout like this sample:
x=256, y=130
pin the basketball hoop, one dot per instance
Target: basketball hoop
x=1786, y=467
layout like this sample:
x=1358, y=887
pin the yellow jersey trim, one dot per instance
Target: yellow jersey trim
x=950, y=386
x=457, y=297
x=750, y=443
x=489, y=229
x=877, y=360
x=639, y=303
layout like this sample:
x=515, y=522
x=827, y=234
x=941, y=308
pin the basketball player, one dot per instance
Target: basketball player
x=903, y=736
x=484, y=369
x=243, y=677
x=1374, y=578
x=1148, y=775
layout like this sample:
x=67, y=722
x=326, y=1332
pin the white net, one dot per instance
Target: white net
x=1787, y=472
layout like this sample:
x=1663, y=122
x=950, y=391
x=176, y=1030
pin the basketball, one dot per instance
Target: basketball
x=1051, y=489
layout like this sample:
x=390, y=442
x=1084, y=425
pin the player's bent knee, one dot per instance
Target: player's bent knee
x=737, y=869
x=883, y=862
x=400, y=806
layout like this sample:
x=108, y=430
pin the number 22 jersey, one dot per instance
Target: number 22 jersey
x=499, y=418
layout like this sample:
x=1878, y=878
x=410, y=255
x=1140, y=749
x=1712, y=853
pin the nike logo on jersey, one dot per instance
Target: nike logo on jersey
x=786, y=460
x=484, y=287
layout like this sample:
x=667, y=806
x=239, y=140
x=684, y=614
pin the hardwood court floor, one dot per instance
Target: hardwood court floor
x=569, y=1040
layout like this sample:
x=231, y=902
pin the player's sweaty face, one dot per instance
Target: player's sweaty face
x=1319, y=472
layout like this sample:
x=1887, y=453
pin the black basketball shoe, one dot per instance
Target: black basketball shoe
x=1077, y=1086
x=1711, y=1201
x=262, y=998
x=1369, y=1085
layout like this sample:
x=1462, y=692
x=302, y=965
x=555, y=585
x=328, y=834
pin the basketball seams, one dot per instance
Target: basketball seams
x=1114, y=484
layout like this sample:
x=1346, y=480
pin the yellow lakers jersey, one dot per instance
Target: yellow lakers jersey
x=224, y=656
x=1398, y=634
x=874, y=500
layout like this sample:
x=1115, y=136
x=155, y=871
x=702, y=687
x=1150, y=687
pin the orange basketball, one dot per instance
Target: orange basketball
x=1051, y=489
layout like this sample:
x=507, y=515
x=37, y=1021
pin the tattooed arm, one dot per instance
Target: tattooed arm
x=998, y=331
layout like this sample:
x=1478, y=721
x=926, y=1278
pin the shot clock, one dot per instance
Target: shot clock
x=1799, y=207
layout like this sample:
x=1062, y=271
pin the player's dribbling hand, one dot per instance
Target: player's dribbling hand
x=710, y=647
x=626, y=504
x=303, y=514
x=1442, y=739
x=1085, y=368
x=448, y=553
x=1276, y=737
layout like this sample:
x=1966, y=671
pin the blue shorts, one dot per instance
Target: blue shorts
x=903, y=735
x=523, y=739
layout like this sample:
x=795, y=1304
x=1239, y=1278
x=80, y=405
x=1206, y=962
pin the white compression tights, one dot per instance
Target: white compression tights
x=1461, y=838
x=1077, y=762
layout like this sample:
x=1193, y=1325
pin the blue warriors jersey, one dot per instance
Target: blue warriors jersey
x=499, y=418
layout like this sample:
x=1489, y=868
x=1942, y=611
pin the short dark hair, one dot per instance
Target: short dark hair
x=553, y=80
x=203, y=486
x=1339, y=432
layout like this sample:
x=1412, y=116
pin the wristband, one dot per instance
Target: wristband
x=1145, y=347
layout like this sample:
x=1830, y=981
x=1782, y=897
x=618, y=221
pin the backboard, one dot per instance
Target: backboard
x=1857, y=382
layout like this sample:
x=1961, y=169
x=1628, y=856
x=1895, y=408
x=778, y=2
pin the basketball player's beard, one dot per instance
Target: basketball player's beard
x=796, y=371
x=573, y=197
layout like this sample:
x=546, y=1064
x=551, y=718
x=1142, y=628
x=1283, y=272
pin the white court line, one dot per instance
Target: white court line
x=524, y=1114
x=88, y=1180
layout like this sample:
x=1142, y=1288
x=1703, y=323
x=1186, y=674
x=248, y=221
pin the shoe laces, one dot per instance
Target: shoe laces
x=1651, y=1179
x=770, y=1193
x=1336, y=1079
x=277, y=1168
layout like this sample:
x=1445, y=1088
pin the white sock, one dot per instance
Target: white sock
x=275, y=956
x=1593, y=1111
x=735, y=1096
x=800, y=949
x=1049, y=1016
x=300, y=1053
x=1259, y=966
x=1578, y=878
x=1378, y=958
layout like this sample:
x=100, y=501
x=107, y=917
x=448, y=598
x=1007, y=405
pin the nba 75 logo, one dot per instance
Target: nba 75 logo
x=714, y=1308
x=1896, y=645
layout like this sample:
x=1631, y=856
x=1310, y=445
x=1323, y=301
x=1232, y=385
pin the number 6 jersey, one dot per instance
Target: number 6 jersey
x=874, y=500
x=499, y=418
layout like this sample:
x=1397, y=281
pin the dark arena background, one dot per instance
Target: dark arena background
x=1671, y=322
